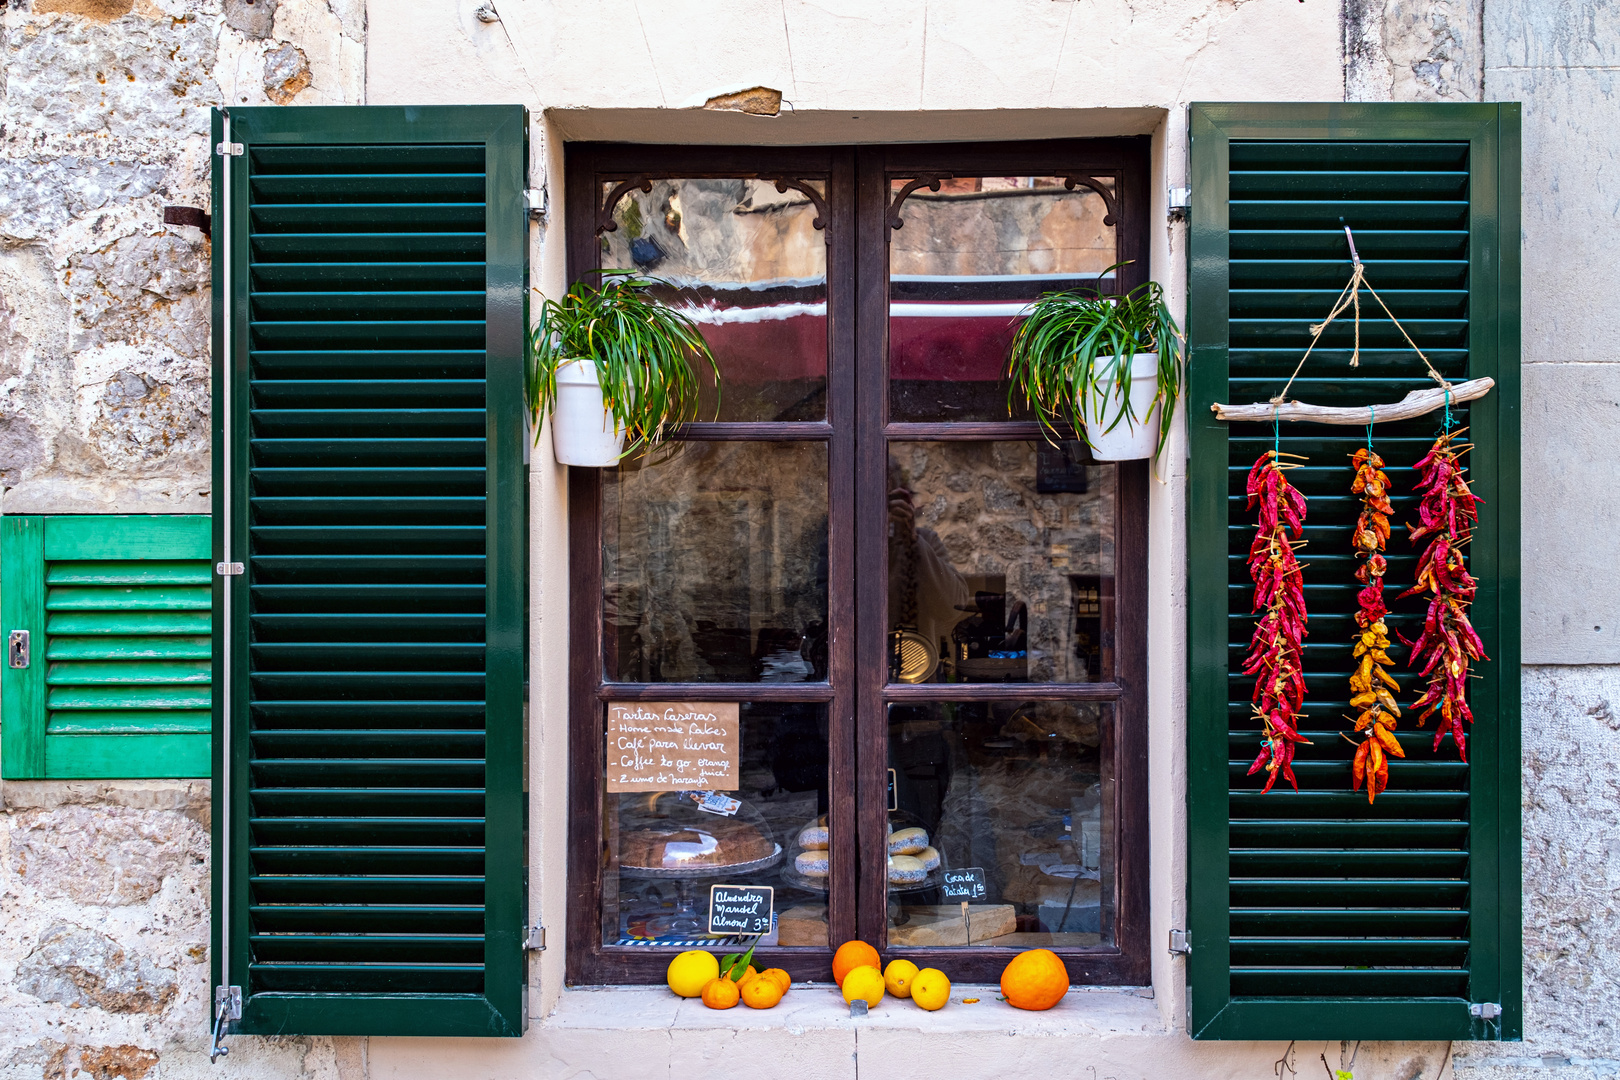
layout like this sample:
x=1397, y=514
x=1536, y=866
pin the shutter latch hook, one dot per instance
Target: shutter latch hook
x=227, y=1008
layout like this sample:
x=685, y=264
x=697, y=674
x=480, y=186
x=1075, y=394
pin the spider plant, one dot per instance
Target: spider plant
x=645, y=354
x=1072, y=347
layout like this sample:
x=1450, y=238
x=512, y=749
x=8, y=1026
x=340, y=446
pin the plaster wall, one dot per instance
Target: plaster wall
x=104, y=401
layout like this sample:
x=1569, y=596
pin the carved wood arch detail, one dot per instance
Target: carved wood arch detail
x=1111, y=203
x=804, y=188
x=604, y=213
x=927, y=180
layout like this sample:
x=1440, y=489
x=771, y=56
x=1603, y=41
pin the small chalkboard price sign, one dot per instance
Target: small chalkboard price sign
x=740, y=909
x=965, y=884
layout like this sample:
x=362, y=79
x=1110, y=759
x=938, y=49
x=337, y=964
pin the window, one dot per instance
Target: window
x=107, y=621
x=923, y=623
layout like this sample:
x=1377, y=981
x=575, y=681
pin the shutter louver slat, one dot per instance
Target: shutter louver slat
x=366, y=519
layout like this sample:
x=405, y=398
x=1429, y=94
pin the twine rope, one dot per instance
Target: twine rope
x=1350, y=298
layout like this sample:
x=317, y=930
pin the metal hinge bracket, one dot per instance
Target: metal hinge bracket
x=1485, y=1010
x=229, y=569
x=534, y=201
x=227, y=1009
x=536, y=940
x=1180, y=943
x=234, y=149
x=17, y=649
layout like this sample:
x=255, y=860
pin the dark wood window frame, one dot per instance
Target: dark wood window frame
x=857, y=218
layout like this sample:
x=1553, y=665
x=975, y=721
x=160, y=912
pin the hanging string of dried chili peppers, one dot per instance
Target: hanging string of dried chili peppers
x=1372, y=688
x=1447, y=511
x=1277, y=649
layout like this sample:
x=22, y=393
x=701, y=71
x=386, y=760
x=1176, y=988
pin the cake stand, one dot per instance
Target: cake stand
x=685, y=919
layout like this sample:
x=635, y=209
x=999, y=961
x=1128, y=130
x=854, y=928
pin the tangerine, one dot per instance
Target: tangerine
x=721, y=994
x=761, y=992
x=1035, y=980
x=778, y=976
x=864, y=983
x=854, y=954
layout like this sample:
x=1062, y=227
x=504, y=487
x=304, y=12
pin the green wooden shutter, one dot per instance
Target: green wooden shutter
x=118, y=680
x=1315, y=915
x=370, y=480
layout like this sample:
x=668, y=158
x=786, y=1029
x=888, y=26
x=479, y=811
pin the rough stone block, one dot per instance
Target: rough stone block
x=81, y=968
x=104, y=855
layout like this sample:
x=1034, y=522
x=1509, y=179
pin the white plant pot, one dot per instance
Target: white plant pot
x=1128, y=441
x=582, y=429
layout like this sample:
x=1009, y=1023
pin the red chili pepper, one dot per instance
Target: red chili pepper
x=1447, y=512
x=1277, y=649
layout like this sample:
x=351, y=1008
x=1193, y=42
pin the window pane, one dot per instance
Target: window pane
x=664, y=853
x=746, y=262
x=965, y=262
x=714, y=565
x=1021, y=791
x=1001, y=563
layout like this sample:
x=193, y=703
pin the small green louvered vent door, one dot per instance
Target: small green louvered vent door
x=118, y=683
x=1315, y=914
x=380, y=486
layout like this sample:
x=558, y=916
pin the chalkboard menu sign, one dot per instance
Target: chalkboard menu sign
x=965, y=884
x=1061, y=468
x=672, y=746
x=740, y=909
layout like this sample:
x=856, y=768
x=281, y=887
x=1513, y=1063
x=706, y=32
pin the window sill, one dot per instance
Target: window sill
x=1084, y=1012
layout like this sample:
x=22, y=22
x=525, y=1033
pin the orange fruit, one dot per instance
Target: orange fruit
x=864, y=983
x=930, y=989
x=1035, y=980
x=779, y=977
x=721, y=994
x=897, y=977
x=854, y=954
x=746, y=975
x=760, y=992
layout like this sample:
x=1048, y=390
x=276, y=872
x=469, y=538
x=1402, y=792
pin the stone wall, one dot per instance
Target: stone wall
x=104, y=408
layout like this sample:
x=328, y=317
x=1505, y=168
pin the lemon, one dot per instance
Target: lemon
x=898, y=975
x=864, y=983
x=690, y=970
x=931, y=989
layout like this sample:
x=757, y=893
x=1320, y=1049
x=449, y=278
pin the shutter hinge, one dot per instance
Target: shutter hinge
x=229, y=569
x=1179, y=203
x=17, y=649
x=536, y=941
x=229, y=149
x=1485, y=1010
x=534, y=201
x=1180, y=943
x=227, y=1009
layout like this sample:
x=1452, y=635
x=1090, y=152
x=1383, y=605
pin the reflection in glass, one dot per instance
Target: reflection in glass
x=746, y=262
x=1022, y=791
x=1001, y=563
x=967, y=259
x=714, y=565
x=663, y=852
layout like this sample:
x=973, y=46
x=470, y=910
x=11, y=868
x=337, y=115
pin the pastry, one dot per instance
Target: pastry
x=929, y=857
x=811, y=863
x=905, y=870
x=670, y=846
x=813, y=838
x=907, y=841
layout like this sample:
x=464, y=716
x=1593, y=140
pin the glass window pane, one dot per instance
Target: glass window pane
x=1001, y=563
x=663, y=852
x=1020, y=790
x=714, y=565
x=746, y=262
x=965, y=262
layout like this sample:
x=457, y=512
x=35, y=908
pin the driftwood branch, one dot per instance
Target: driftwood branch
x=1417, y=403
